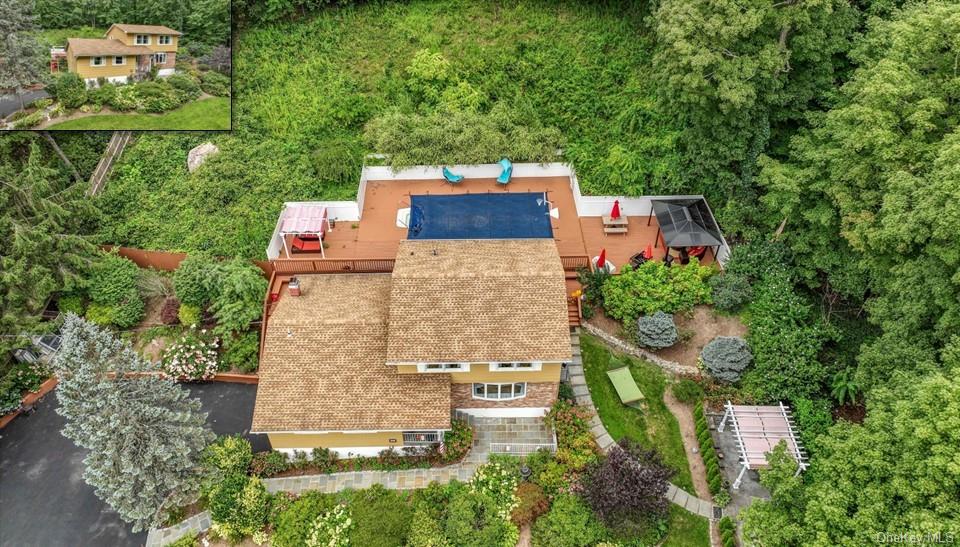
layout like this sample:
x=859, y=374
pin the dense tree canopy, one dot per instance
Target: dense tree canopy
x=871, y=192
x=898, y=473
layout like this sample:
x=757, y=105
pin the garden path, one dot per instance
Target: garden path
x=689, y=434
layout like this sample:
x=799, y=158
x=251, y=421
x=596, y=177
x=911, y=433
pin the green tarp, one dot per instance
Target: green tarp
x=626, y=387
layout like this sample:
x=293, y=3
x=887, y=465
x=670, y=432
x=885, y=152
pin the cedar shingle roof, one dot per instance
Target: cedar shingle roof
x=323, y=366
x=86, y=47
x=145, y=29
x=478, y=301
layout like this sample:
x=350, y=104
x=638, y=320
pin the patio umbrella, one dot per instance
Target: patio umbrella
x=615, y=212
x=602, y=259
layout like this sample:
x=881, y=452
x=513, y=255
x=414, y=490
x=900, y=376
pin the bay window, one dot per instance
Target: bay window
x=500, y=392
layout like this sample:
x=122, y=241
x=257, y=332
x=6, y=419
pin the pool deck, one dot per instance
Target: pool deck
x=376, y=235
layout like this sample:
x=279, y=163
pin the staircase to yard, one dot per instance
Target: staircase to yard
x=118, y=142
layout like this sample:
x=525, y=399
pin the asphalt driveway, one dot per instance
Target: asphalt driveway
x=43, y=498
x=10, y=103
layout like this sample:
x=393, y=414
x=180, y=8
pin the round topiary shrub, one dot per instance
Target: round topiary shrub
x=725, y=357
x=657, y=330
x=730, y=291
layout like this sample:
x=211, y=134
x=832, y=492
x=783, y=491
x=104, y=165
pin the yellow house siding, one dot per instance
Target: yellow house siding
x=480, y=372
x=131, y=40
x=335, y=440
x=85, y=70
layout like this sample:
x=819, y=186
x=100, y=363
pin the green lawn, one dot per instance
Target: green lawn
x=208, y=114
x=686, y=529
x=655, y=427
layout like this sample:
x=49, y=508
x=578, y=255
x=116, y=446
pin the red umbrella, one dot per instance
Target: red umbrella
x=648, y=253
x=615, y=212
x=602, y=259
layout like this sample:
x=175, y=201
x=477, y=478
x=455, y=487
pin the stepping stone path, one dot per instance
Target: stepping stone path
x=675, y=494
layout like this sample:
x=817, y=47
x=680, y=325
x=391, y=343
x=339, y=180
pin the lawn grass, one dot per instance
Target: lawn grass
x=654, y=427
x=304, y=90
x=208, y=114
x=686, y=529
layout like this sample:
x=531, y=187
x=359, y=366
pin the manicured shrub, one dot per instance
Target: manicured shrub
x=569, y=523
x=194, y=280
x=70, y=90
x=295, y=525
x=102, y=95
x=125, y=98
x=592, y=282
x=40, y=104
x=381, y=517
x=170, y=312
x=474, y=518
x=565, y=392
x=576, y=447
x=730, y=291
x=29, y=120
x=186, y=87
x=241, y=352
x=156, y=97
x=193, y=357
x=457, y=441
x=239, y=300
x=230, y=454
x=21, y=377
x=324, y=459
x=112, y=278
x=499, y=483
x=725, y=357
x=239, y=506
x=265, y=464
x=630, y=483
x=100, y=314
x=657, y=330
x=189, y=540
x=654, y=287
x=687, y=391
x=189, y=315
x=214, y=83
x=533, y=502
x=425, y=531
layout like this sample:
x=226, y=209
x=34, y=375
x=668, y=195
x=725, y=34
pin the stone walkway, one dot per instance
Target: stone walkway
x=194, y=525
x=676, y=495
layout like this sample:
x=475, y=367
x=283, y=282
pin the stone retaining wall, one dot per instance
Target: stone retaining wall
x=671, y=366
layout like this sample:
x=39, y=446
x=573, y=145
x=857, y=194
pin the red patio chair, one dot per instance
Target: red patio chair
x=307, y=243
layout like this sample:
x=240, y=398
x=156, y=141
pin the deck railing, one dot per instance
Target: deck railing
x=333, y=265
x=571, y=263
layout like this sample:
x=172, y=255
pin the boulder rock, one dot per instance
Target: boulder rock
x=198, y=155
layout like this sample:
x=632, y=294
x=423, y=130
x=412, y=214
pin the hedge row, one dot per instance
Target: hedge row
x=728, y=532
x=707, y=451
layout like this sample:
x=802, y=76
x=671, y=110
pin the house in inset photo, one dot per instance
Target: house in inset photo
x=128, y=52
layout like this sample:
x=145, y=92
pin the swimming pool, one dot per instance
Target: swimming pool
x=520, y=215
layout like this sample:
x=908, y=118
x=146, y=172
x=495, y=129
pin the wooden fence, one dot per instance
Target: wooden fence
x=169, y=261
x=333, y=265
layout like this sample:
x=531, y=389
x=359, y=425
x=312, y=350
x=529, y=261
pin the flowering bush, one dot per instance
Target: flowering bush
x=331, y=529
x=22, y=377
x=193, y=357
x=499, y=482
x=239, y=506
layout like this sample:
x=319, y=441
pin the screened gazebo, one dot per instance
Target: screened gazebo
x=758, y=430
x=685, y=223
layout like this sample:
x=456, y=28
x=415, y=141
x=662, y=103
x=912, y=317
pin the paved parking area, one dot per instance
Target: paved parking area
x=43, y=498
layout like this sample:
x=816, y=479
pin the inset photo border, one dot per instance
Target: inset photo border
x=71, y=65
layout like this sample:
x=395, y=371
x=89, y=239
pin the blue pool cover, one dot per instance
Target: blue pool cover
x=480, y=216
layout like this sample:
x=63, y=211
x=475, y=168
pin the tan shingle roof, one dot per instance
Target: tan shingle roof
x=85, y=47
x=145, y=29
x=329, y=372
x=478, y=301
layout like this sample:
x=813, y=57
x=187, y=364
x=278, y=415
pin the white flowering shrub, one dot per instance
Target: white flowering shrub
x=331, y=529
x=500, y=483
x=193, y=357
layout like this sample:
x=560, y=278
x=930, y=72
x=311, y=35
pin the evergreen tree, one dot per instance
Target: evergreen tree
x=145, y=435
x=23, y=61
x=41, y=251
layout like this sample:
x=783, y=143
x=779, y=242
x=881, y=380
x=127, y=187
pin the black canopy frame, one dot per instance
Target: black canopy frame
x=685, y=222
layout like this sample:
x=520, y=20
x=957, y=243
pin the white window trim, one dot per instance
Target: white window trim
x=101, y=57
x=161, y=42
x=122, y=58
x=136, y=40
x=512, y=367
x=160, y=54
x=454, y=367
x=473, y=392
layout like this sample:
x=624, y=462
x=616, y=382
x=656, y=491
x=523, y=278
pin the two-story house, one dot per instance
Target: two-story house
x=127, y=52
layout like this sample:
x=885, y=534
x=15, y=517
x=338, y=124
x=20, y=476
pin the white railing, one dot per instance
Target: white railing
x=520, y=449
